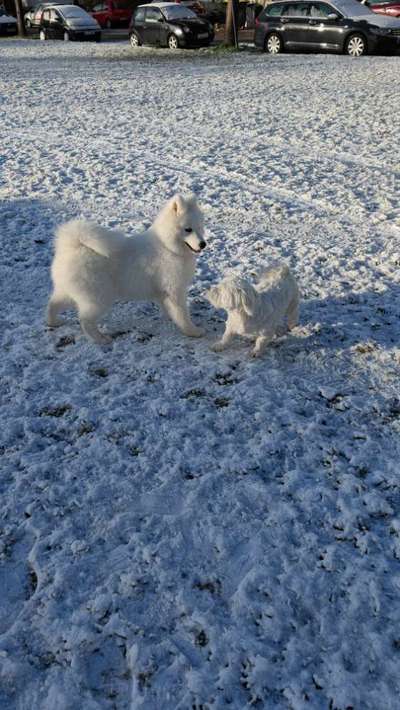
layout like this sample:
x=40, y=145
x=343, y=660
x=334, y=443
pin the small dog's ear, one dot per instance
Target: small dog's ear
x=178, y=204
x=243, y=296
x=248, y=299
x=212, y=295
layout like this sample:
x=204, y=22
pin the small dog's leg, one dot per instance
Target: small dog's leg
x=55, y=305
x=180, y=315
x=293, y=314
x=261, y=345
x=88, y=320
x=225, y=340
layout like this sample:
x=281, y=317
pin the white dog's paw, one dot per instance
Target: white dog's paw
x=55, y=322
x=103, y=339
x=195, y=332
x=218, y=347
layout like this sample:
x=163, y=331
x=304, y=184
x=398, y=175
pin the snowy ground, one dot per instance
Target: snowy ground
x=180, y=529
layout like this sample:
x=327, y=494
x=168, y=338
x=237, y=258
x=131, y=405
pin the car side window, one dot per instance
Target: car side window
x=139, y=15
x=296, y=9
x=273, y=10
x=46, y=15
x=319, y=9
x=153, y=15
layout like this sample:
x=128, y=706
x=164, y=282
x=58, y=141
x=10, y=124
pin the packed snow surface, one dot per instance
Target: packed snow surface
x=181, y=529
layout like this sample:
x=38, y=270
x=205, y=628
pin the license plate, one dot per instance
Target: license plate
x=89, y=33
x=203, y=35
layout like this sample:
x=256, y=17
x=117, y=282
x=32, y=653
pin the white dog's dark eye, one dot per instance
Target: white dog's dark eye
x=188, y=230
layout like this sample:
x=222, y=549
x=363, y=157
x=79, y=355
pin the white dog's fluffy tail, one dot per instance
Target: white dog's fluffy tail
x=78, y=232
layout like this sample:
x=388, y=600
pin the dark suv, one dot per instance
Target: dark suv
x=339, y=26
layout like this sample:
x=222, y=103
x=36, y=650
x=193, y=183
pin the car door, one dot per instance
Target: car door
x=326, y=26
x=45, y=24
x=138, y=23
x=294, y=24
x=153, y=26
x=56, y=25
x=37, y=15
x=99, y=12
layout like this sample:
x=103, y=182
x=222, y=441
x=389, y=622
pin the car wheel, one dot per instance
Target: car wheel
x=66, y=37
x=172, y=42
x=273, y=44
x=356, y=46
x=42, y=35
x=108, y=24
x=134, y=40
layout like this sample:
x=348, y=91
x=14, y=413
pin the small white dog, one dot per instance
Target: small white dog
x=93, y=267
x=259, y=312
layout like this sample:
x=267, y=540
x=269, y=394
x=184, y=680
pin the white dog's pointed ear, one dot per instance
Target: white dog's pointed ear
x=248, y=299
x=178, y=204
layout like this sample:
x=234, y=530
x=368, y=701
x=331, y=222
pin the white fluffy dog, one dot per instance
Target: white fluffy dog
x=93, y=267
x=259, y=312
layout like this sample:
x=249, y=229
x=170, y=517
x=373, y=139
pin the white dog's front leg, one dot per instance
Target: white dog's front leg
x=179, y=314
x=261, y=345
x=225, y=340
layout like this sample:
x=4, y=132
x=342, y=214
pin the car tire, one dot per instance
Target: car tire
x=66, y=36
x=42, y=35
x=273, y=44
x=356, y=45
x=134, y=40
x=172, y=42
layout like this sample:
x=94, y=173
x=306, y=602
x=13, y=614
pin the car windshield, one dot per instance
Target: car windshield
x=71, y=12
x=177, y=12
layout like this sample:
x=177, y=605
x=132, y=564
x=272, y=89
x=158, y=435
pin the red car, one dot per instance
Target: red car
x=385, y=7
x=112, y=13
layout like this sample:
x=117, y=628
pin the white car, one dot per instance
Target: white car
x=8, y=24
x=33, y=16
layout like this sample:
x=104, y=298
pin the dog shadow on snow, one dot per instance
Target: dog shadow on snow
x=357, y=318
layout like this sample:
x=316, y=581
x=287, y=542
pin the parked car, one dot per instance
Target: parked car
x=169, y=25
x=339, y=26
x=195, y=5
x=33, y=16
x=8, y=23
x=112, y=13
x=68, y=22
x=386, y=7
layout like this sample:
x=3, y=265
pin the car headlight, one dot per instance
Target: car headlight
x=178, y=31
x=186, y=29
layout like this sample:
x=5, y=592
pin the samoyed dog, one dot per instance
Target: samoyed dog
x=94, y=267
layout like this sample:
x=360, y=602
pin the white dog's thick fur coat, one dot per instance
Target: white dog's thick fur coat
x=259, y=312
x=94, y=267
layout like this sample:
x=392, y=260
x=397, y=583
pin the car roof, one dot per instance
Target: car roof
x=345, y=6
x=159, y=4
x=63, y=6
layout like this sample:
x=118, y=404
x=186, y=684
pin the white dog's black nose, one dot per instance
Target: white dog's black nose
x=202, y=245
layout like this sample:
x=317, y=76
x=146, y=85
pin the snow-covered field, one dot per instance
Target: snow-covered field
x=180, y=529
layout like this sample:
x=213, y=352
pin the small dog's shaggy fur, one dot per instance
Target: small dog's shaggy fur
x=93, y=267
x=259, y=312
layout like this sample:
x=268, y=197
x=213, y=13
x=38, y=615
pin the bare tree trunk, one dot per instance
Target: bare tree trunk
x=231, y=24
x=20, y=18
